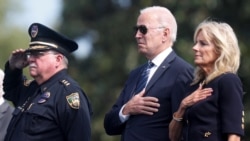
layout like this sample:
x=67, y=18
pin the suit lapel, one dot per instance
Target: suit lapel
x=161, y=69
x=135, y=81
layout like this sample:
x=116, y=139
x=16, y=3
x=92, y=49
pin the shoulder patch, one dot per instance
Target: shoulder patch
x=27, y=82
x=73, y=100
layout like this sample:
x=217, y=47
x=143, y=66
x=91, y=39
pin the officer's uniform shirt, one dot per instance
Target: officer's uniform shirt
x=219, y=114
x=59, y=111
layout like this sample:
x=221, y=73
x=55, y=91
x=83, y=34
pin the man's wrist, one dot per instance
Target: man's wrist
x=123, y=117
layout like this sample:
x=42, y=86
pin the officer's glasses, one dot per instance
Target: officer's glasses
x=143, y=29
x=38, y=54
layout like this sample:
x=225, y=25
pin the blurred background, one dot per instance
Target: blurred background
x=107, y=50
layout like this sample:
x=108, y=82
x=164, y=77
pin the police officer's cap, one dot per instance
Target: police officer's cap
x=44, y=38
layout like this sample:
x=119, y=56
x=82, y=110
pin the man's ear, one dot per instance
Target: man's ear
x=166, y=33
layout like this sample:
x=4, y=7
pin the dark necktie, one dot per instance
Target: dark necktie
x=143, y=78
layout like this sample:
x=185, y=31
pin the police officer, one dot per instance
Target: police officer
x=51, y=107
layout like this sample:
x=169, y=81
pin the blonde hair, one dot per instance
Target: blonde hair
x=165, y=19
x=226, y=45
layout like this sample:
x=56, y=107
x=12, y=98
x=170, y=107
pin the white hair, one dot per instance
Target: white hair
x=165, y=18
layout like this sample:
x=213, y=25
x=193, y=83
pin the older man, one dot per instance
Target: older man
x=154, y=90
x=52, y=107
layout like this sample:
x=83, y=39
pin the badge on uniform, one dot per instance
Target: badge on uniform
x=73, y=100
x=44, y=97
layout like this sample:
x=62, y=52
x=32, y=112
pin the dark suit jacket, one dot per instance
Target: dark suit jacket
x=168, y=84
x=219, y=114
x=5, y=116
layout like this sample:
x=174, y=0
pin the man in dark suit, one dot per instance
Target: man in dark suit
x=145, y=115
x=5, y=110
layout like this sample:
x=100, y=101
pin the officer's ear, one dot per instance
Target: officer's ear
x=59, y=57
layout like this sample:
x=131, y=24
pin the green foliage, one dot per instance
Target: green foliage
x=114, y=53
x=10, y=37
x=109, y=24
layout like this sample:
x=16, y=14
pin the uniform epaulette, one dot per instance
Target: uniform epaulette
x=65, y=82
x=27, y=82
x=73, y=98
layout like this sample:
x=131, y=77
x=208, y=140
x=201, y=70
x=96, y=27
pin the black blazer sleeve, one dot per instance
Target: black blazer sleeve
x=112, y=122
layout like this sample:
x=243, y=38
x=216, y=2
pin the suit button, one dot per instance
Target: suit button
x=187, y=121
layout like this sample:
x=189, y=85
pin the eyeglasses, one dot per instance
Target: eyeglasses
x=143, y=29
x=37, y=54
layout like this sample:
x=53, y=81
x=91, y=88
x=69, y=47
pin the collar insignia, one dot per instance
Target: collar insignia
x=27, y=82
x=42, y=100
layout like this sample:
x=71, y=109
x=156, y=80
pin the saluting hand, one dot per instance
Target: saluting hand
x=18, y=59
x=141, y=105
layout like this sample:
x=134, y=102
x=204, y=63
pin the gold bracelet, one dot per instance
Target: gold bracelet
x=176, y=118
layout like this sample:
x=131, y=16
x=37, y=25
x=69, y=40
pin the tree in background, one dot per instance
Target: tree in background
x=109, y=25
x=10, y=38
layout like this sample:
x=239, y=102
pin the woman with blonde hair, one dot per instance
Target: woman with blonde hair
x=213, y=111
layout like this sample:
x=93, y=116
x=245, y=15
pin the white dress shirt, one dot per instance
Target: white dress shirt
x=157, y=62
